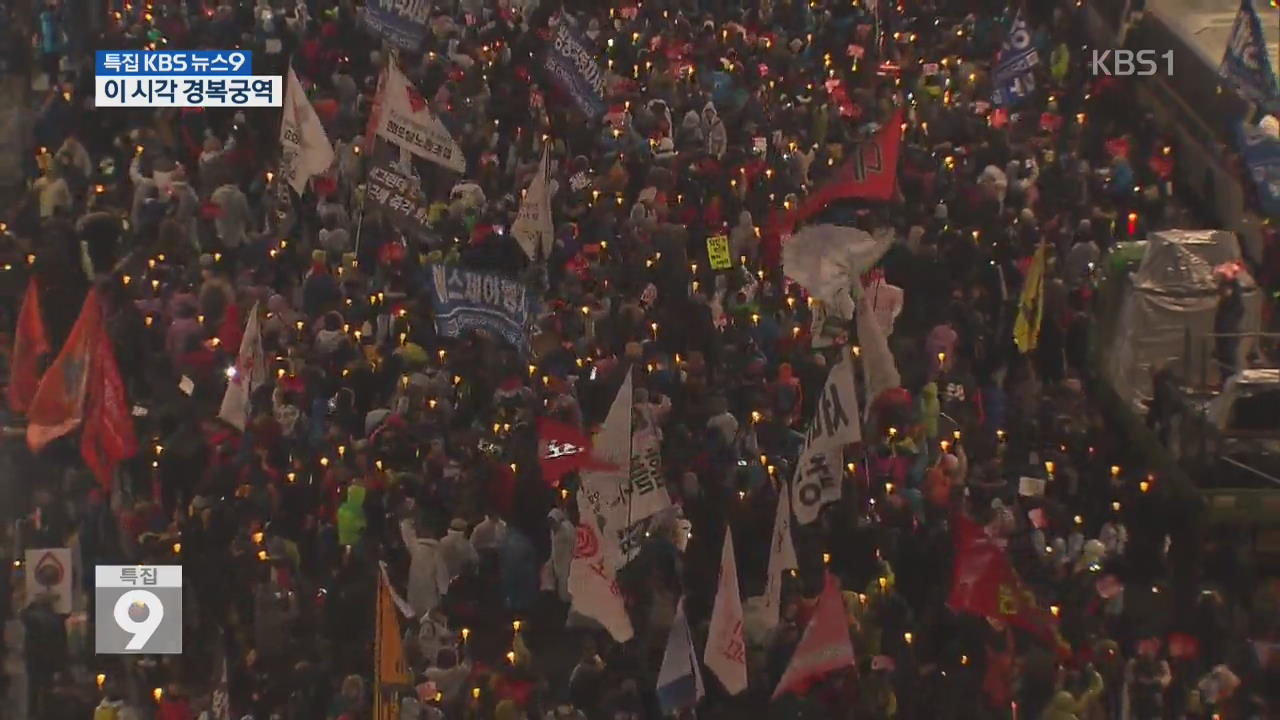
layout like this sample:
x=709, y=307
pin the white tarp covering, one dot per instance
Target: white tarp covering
x=1173, y=292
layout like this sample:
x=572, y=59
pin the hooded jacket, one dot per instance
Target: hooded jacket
x=428, y=578
x=351, y=519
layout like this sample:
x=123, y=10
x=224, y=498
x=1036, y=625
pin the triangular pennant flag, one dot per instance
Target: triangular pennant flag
x=782, y=557
x=593, y=584
x=249, y=373
x=30, y=343
x=406, y=121
x=824, y=647
x=1246, y=63
x=58, y=405
x=612, y=443
x=305, y=150
x=726, y=651
x=680, y=678
x=533, y=229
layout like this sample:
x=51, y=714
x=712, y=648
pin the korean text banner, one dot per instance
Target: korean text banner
x=173, y=62
x=571, y=63
x=398, y=194
x=471, y=300
x=401, y=22
x=1262, y=157
x=176, y=91
x=1015, y=67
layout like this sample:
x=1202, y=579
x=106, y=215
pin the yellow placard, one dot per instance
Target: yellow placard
x=718, y=252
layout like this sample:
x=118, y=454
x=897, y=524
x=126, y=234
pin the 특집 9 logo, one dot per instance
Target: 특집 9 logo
x=138, y=609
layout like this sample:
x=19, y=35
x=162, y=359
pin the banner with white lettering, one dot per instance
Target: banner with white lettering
x=402, y=22
x=570, y=62
x=467, y=300
x=406, y=121
x=835, y=424
x=1015, y=65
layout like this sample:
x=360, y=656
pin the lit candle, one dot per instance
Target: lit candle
x=1048, y=467
x=907, y=637
x=101, y=680
x=157, y=694
x=1133, y=223
x=1115, y=471
x=826, y=558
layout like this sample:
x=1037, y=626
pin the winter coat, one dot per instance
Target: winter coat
x=428, y=579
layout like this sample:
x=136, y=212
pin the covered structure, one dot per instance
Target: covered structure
x=1167, y=313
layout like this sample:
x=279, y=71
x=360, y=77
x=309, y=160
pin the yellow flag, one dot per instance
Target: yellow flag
x=391, y=673
x=1026, y=328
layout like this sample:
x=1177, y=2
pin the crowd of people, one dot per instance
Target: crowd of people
x=380, y=445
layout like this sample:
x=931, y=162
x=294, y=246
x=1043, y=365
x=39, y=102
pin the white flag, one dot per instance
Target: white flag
x=647, y=489
x=249, y=372
x=879, y=371
x=680, y=678
x=304, y=148
x=406, y=121
x=726, y=651
x=829, y=260
x=835, y=423
x=593, y=585
x=782, y=557
x=612, y=444
x=533, y=228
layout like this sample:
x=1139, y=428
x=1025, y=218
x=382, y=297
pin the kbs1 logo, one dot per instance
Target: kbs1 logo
x=1130, y=63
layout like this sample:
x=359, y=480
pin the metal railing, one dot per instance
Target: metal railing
x=1198, y=356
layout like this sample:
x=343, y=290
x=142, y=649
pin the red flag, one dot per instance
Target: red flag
x=985, y=583
x=30, y=342
x=870, y=173
x=562, y=449
x=58, y=405
x=824, y=646
x=108, y=435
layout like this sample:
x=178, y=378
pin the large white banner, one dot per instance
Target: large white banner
x=407, y=122
x=835, y=423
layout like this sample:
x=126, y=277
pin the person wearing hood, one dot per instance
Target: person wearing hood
x=691, y=137
x=744, y=239
x=713, y=129
x=351, y=518
x=564, y=537
x=428, y=577
x=456, y=549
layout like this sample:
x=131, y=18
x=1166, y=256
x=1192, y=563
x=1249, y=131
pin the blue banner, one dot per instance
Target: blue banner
x=472, y=300
x=402, y=22
x=1014, y=73
x=173, y=62
x=571, y=62
x=1246, y=63
x=1262, y=157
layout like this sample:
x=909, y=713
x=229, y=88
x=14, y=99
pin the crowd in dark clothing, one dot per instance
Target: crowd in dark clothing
x=379, y=442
